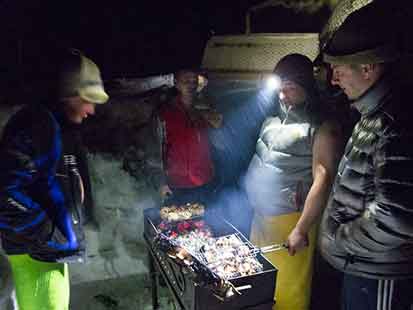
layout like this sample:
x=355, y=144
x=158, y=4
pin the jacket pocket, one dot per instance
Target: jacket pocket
x=17, y=218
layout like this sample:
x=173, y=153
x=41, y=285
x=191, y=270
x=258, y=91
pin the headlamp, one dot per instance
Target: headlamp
x=272, y=83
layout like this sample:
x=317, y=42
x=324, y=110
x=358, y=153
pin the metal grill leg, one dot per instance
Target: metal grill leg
x=154, y=282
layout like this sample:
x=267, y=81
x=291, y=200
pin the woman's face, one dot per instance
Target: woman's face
x=291, y=93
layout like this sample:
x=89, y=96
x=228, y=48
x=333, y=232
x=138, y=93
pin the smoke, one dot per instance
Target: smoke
x=233, y=204
x=244, y=109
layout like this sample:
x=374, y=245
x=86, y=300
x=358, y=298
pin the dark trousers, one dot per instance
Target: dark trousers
x=369, y=294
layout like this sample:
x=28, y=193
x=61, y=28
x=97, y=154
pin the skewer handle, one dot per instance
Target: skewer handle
x=274, y=247
x=244, y=287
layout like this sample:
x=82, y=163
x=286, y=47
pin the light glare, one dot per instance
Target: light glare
x=273, y=83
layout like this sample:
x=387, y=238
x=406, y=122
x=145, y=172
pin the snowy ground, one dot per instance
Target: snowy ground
x=127, y=293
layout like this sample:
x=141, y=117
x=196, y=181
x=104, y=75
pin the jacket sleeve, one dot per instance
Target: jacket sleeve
x=387, y=221
x=20, y=167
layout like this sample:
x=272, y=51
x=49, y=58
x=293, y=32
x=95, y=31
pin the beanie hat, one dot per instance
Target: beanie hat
x=365, y=37
x=80, y=76
x=296, y=68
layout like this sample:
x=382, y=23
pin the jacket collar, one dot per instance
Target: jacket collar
x=61, y=118
x=372, y=100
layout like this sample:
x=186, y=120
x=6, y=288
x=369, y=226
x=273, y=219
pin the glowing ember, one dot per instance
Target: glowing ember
x=228, y=256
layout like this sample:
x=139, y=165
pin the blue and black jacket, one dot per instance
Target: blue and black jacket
x=41, y=188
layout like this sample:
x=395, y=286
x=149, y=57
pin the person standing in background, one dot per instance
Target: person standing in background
x=188, y=168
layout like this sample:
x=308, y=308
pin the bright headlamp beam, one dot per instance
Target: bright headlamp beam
x=273, y=83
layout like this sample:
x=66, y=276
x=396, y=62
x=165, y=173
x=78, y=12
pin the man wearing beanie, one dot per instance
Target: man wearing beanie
x=367, y=227
x=43, y=185
x=289, y=179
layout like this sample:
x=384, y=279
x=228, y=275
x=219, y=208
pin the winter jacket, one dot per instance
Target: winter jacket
x=280, y=173
x=186, y=150
x=367, y=227
x=41, y=188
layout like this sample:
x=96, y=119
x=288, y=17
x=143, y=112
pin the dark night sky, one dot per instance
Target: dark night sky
x=130, y=38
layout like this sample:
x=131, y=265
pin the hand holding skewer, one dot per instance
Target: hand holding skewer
x=296, y=241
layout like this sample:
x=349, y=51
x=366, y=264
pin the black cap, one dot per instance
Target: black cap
x=366, y=36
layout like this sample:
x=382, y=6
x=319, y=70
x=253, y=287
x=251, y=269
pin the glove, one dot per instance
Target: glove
x=64, y=224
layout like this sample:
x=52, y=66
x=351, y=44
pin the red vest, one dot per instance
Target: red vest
x=187, y=156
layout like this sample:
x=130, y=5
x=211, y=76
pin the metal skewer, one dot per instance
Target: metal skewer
x=274, y=247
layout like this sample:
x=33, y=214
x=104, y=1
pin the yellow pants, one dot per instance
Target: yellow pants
x=293, y=284
x=40, y=285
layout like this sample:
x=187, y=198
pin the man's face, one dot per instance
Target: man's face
x=291, y=93
x=77, y=109
x=350, y=79
x=187, y=83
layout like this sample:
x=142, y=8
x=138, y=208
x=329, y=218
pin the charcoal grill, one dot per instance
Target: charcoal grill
x=256, y=290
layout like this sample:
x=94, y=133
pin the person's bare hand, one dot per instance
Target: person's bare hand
x=214, y=118
x=165, y=191
x=296, y=241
